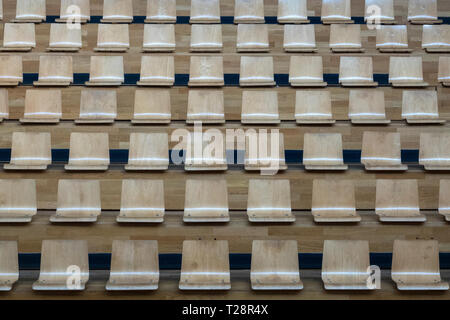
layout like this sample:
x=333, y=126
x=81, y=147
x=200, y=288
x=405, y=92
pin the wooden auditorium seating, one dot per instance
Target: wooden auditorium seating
x=206, y=38
x=198, y=157
x=106, y=71
x=64, y=39
x=1, y=10
x=398, y=201
x=152, y=106
x=420, y=106
x=206, y=106
x=4, y=104
x=323, y=151
x=392, y=39
x=260, y=107
x=117, y=11
x=97, y=106
x=55, y=71
x=443, y=73
x=33, y=11
x=265, y=156
x=336, y=11
x=367, y=106
x=381, y=151
x=313, y=107
x=19, y=37
x=112, y=38
x=423, y=12
x=346, y=265
x=249, y=11
x=88, y=151
x=292, y=11
x=60, y=261
x=205, y=11
x=356, y=72
x=385, y=16
x=256, y=71
x=334, y=201
x=17, y=200
x=74, y=11
x=148, y=151
x=299, y=38
x=9, y=265
x=157, y=71
x=406, y=72
x=345, y=38
x=159, y=38
x=206, y=201
x=134, y=265
x=42, y=106
x=161, y=11
x=444, y=199
x=415, y=265
x=30, y=151
x=206, y=71
x=252, y=38
x=434, y=152
x=269, y=200
x=10, y=71
x=306, y=71
x=275, y=265
x=205, y=265
x=436, y=38
x=78, y=201
x=142, y=201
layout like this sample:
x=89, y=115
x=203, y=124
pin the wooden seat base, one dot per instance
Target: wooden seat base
x=125, y=219
x=8, y=166
x=206, y=83
x=9, y=83
x=63, y=49
x=359, y=84
x=293, y=21
x=85, y=168
x=371, y=121
x=344, y=50
x=428, y=121
x=279, y=286
x=142, y=121
x=159, y=49
x=160, y=20
x=41, y=120
x=437, y=50
x=256, y=167
x=102, y=84
x=15, y=49
x=28, y=20
x=271, y=217
x=436, y=168
x=300, y=50
x=44, y=286
x=309, y=84
x=111, y=49
x=51, y=84
x=415, y=218
x=394, y=50
x=386, y=168
x=330, y=121
x=68, y=219
x=424, y=286
x=337, y=21
x=130, y=167
x=94, y=121
x=117, y=20
x=204, y=286
x=254, y=49
x=332, y=286
x=5, y=218
x=341, y=217
x=324, y=167
x=131, y=286
x=77, y=19
x=409, y=84
x=196, y=167
x=161, y=83
x=420, y=21
x=256, y=84
x=206, y=219
x=260, y=121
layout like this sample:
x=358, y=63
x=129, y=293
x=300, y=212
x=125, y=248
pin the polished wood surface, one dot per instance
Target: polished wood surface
x=42, y=106
x=323, y=151
x=30, y=151
x=367, y=107
x=345, y=38
x=356, y=72
x=313, y=107
x=17, y=200
x=292, y=11
x=382, y=151
x=336, y=11
x=159, y=38
x=406, y=72
x=106, y=71
x=252, y=38
x=206, y=71
x=206, y=38
x=64, y=39
x=205, y=11
x=392, y=39
x=117, y=11
x=97, y=106
x=306, y=71
x=88, y=151
x=260, y=107
x=249, y=11
x=148, y=151
x=157, y=71
x=434, y=153
x=256, y=71
x=113, y=38
x=30, y=11
x=9, y=265
x=19, y=37
x=206, y=106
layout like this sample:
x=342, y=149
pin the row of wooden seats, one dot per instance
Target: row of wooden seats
x=205, y=265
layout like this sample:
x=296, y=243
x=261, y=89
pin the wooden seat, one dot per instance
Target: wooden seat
x=205, y=11
x=381, y=151
x=385, y=15
x=346, y=265
x=345, y=38
x=148, y=151
x=206, y=71
x=19, y=37
x=10, y=71
x=398, y=201
x=151, y=106
x=275, y=265
x=64, y=265
x=292, y=11
x=252, y=38
x=88, y=151
x=106, y=71
x=269, y=200
x=334, y=201
x=367, y=106
x=157, y=71
x=161, y=11
x=97, y=106
x=299, y=38
x=117, y=11
x=256, y=72
x=78, y=201
x=436, y=38
x=260, y=107
x=206, y=38
x=313, y=107
x=444, y=198
x=4, y=104
x=434, y=153
x=42, y=106
x=356, y=72
x=64, y=39
x=142, y=201
x=74, y=11
x=205, y=265
x=134, y=265
x=204, y=154
x=415, y=265
x=392, y=39
x=55, y=71
x=443, y=74
x=30, y=11
x=336, y=11
x=306, y=71
x=30, y=151
x=17, y=201
x=420, y=106
x=206, y=106
x=406, y=72
x=206, y=201
x=423, y=12
x=260, y=155
x=249, y=11
x=9, y=265
x=112, y=38
x=323, y=151
x=159, y=38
